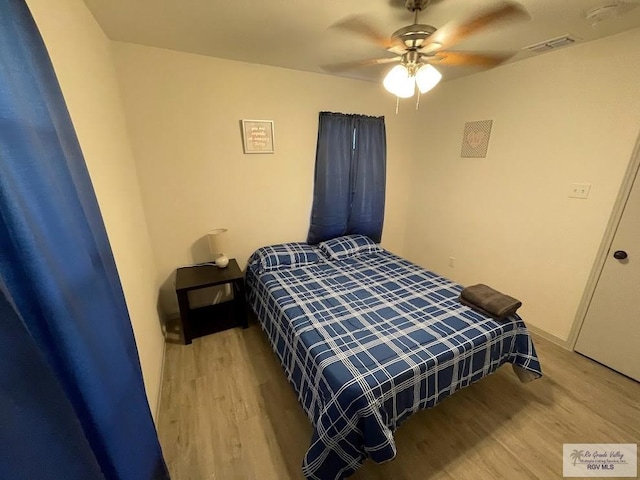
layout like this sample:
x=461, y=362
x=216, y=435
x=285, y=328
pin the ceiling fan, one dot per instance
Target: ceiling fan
x=417, y=47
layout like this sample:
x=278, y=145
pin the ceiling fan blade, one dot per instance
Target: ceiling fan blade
x=453, y=33
x=464, y=58
x=397, y=50
x=341, y=67
x=397, y=46
x=360, y=26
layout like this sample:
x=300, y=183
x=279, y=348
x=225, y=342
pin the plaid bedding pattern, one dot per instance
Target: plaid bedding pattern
x=348, y=246
x=285, y=254
x=368, y=340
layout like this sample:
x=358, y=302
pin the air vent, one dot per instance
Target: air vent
x=551, y=44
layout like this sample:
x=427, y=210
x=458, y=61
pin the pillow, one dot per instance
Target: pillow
x=348, y=246
x=285, y=255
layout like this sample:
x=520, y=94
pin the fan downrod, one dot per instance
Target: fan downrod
x=413, y=36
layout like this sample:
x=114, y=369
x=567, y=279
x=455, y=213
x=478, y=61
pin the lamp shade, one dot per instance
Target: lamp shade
x=218, y=246
x=427, y=77
x=217, y=241
x=399, y=82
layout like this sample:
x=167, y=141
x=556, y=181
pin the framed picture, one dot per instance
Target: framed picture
x=257, y=136
x=475, y=139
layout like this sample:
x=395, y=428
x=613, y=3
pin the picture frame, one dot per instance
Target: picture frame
x=258, y=136
x=475, y=139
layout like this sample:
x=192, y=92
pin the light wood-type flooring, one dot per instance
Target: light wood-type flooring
x=227, y=412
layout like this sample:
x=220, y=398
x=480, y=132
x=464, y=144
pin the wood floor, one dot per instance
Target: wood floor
x=227, y=412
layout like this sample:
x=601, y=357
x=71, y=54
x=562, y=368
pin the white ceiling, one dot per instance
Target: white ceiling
x=296, y=33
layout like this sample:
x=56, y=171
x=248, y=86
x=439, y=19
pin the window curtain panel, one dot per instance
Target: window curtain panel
x=350, y=175
x=368, y=177
x=72, y=398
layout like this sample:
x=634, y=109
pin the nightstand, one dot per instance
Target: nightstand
x=197, y=322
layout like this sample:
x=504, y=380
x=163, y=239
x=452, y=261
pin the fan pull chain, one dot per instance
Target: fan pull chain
x=418, y=101
x=397, y=104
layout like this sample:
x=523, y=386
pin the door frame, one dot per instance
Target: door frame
x=633, y=171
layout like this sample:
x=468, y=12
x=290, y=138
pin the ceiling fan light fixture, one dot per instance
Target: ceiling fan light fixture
x=399, y=82
x=427, y=77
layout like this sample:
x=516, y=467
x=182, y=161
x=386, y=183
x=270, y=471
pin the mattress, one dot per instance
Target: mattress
x=368, y=340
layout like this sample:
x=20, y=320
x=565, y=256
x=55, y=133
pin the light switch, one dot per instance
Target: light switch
x=579, y=190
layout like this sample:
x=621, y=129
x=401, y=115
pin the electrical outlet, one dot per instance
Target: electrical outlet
x=579, y=190
x=452, y=262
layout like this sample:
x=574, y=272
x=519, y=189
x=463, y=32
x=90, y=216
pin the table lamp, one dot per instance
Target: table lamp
x=217, y=246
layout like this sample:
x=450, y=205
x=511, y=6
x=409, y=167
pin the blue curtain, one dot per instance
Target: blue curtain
x=350, y=175
x=72, y=399
x=368, y=177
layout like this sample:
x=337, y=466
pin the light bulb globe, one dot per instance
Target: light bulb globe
x=427, y=77
x=399, y=82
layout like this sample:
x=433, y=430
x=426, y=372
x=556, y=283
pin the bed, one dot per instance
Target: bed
x=366, y=338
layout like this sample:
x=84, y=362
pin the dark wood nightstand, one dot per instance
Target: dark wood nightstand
x=197, y=322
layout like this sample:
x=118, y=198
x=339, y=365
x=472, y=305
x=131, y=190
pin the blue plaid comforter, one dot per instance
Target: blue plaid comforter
x=369, y=340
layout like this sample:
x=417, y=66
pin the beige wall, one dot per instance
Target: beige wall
x=569, y=116
x=82, y=59
x=184, y=112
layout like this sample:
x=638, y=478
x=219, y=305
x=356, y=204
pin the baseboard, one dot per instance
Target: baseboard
x=159, y=394
x=549, y=336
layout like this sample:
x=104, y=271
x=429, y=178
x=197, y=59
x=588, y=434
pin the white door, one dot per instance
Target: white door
x=610, y=333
